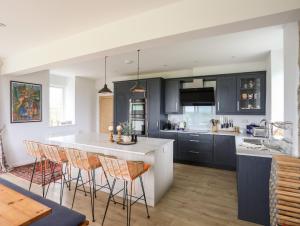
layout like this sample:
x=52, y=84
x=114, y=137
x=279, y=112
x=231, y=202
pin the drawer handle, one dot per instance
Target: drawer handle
x=197, y=141
x=194, y=135
x=194, y=152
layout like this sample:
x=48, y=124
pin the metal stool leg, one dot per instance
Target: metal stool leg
x=43, y=177
x=108, y=201
x=130, y=197
x=79, y=173
x=142, y=185
x=52, y=177
x=61, y=186
x=33, y=171
x=92, y=193
x=82, y=184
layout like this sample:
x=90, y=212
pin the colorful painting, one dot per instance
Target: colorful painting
x=26, y=102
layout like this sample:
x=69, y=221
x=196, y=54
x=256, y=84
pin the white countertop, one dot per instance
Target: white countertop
x=144, y=145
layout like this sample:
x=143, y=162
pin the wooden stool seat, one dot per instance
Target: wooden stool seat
x=126, y=171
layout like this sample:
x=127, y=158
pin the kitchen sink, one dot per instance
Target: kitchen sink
x=255, y=141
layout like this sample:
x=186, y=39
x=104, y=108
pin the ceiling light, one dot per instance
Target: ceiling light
x=137, y=88
x=128, y=61
x=105, y=89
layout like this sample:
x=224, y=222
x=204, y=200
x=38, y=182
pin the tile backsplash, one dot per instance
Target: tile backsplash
x=199, y=117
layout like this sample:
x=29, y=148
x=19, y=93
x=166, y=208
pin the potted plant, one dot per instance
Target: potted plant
x=126, y=131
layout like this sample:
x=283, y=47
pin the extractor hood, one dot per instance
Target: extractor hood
x=197, y=96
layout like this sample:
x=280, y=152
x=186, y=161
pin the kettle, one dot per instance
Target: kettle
x=182, y=125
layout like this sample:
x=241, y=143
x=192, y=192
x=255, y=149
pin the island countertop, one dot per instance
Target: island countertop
x=158, y=153
x=144, y=145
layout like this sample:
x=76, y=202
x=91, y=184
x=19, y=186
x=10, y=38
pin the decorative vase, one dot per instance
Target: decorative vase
x=126, y=139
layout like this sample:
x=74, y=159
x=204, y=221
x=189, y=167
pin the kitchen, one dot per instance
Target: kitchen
x=205, y=127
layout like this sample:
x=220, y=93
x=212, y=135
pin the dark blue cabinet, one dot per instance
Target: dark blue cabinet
x=195, y=148
x=251, y=93
x=241, y=94
x=172, y=96
x=122, y=96
x=224, y=152
x=155, y=108
x=253, y=174
x=226, y=95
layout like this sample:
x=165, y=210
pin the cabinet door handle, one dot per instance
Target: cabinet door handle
x=194, y=152
x=157, y=124
x=194, y=135
x=238, y=105
x=176, y=106
x=218, y=106
x=197, y=141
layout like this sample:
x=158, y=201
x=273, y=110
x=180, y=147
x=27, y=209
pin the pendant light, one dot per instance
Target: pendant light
x=105, y=89
x=137, y=88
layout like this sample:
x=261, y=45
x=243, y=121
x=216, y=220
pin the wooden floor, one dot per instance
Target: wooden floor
x=199, y=197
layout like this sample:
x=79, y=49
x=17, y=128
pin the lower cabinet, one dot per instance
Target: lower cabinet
x=203, y=149
x=196, y=148
x=253, y=174
x=172, y=136
x=225, y=151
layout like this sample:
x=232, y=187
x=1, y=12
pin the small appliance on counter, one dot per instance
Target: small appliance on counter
x=182, y=125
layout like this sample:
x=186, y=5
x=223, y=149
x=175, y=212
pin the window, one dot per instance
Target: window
x=56, y=105
x=61, y=101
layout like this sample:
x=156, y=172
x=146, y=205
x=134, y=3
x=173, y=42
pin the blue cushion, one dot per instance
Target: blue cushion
x=60, y=216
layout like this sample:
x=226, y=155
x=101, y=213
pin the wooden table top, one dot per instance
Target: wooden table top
x=17, y=209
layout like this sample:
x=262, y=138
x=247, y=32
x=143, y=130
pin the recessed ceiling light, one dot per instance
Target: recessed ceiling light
x=128, y=61
x=2, y=25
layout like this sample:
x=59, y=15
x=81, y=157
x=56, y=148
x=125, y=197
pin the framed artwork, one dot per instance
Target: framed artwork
x=25, y=102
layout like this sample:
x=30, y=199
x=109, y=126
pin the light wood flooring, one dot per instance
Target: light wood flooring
x=199, y=196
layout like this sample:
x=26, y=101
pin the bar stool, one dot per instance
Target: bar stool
x=126, y=171
x=34, y=150
x=58, y=157
x=83, y=160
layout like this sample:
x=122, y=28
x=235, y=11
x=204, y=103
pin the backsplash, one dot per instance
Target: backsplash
x=199, y=117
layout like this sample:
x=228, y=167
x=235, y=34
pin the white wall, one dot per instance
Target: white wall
x=85, y=107
x=16, y=133
x=291, y=78
x=277, y=85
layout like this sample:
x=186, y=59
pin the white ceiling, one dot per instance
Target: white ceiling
x=248, y=46
x=31, y=23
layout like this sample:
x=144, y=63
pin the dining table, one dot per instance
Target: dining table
x=17, y=209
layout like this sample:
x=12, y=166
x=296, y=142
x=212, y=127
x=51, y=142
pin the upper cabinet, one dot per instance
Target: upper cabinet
x=226, y=102
x=172, y=96
x=251, y=93
x=122, y=96
x=155, y=113
x=241, y=94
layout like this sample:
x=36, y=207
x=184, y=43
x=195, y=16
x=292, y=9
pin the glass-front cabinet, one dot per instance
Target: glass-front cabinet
x=251, y=93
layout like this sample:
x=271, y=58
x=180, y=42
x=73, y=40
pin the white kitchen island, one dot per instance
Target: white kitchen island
x=156, y=152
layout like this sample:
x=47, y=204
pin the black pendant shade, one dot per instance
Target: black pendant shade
x=105, y=89
x=138, y=88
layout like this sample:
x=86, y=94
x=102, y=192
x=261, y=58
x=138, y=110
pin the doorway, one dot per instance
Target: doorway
x=105, y=113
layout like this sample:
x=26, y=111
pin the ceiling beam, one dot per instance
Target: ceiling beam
x=182, y=20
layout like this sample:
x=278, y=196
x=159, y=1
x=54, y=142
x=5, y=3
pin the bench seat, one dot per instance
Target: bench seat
x=60, y=216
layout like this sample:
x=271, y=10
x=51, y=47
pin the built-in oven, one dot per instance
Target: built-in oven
x=137, y=115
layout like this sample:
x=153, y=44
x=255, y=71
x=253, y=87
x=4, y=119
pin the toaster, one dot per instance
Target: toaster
x=259, y=132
